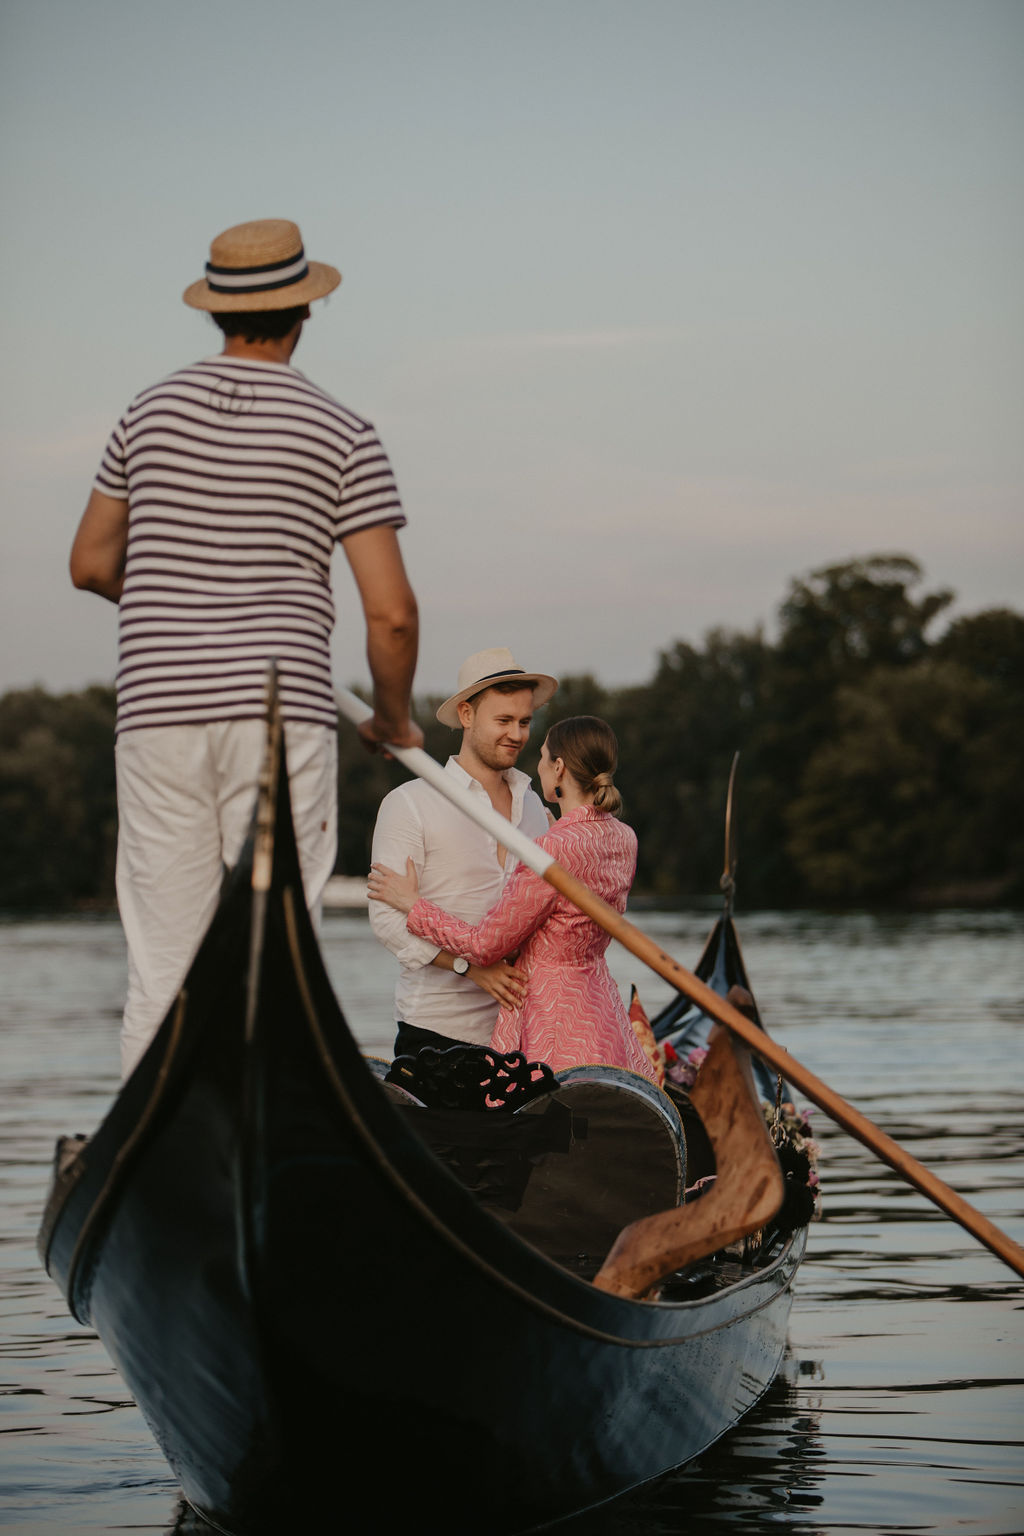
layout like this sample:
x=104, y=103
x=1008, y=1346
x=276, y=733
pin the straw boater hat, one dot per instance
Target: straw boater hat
x=486, y=668
x=260, y=266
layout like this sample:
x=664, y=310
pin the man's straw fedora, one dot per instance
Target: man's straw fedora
x=486, y=668
x=258, y=266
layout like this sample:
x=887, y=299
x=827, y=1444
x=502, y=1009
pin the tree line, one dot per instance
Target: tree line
x=877, y=764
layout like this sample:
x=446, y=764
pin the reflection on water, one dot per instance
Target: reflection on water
x=901, y=1405
x=764, y=1473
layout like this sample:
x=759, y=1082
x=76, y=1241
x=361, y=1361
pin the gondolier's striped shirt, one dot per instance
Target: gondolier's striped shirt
x=240, y=477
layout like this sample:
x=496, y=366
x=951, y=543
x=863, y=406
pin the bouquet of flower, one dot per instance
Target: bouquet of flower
x=790, y=1131
x=680, y=1071
x=798, y=1153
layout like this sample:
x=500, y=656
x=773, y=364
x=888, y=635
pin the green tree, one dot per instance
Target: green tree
x=58, y=817
x=836, y=626
x=677, y=737
x=843, y=618
x=875, y=763
x=991, y=646
x=912, y=793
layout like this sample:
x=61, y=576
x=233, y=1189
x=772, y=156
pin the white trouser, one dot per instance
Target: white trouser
x=185, y=796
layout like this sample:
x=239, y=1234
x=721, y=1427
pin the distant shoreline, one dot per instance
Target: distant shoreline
x=347, y=893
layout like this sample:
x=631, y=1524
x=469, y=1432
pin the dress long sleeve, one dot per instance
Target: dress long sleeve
x=523, y=906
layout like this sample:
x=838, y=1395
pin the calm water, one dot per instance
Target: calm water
x=901, y=1404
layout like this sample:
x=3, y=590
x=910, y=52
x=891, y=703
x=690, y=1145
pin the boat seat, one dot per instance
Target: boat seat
x=623, y=1158
x=566, y=1172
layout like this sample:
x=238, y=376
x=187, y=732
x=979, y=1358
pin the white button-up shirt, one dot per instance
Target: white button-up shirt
x=457, y=867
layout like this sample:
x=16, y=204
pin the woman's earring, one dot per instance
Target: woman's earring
x=558, y=791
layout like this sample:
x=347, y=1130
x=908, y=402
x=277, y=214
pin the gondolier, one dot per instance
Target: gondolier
x=211, y=523
x=441, y=999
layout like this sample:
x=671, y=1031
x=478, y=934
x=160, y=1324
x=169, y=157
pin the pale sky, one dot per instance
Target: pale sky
x=655, y=306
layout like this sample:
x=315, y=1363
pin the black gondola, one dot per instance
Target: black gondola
x=325, y=1295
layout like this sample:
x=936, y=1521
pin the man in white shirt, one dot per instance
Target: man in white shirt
x=441, y=999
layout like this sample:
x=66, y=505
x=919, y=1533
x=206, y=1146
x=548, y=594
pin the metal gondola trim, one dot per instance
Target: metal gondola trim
x=125, y=1153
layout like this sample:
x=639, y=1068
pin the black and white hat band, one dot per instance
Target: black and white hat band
x=276, y=274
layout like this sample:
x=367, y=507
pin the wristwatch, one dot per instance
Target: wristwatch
x=460, y=965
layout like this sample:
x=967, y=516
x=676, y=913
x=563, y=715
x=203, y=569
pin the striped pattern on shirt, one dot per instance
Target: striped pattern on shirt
x=240, y=478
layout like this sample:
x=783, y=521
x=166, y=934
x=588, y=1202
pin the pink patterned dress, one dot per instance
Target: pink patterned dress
x=572, y=1014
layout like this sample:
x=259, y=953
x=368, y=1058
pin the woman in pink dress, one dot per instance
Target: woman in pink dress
x=571, y=1013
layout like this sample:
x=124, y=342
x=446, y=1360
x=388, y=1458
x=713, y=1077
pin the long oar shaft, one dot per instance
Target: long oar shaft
x=818, y=1092
x=653, y=956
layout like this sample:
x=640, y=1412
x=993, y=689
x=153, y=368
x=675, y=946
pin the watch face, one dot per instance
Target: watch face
x=460, y=966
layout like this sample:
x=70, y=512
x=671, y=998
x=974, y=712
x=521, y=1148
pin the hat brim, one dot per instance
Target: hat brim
x=544, y=688
x=319, y=281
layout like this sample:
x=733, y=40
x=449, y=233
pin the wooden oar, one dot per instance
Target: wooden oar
x=653, y=956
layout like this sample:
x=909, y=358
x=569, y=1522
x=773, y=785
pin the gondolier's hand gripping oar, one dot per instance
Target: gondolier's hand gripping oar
x=844, y=1114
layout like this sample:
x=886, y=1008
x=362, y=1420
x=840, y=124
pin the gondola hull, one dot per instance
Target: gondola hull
x=313, y=1313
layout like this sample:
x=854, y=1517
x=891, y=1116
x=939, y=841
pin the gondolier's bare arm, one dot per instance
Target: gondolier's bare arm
x=392, y=634
x=100, y=546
